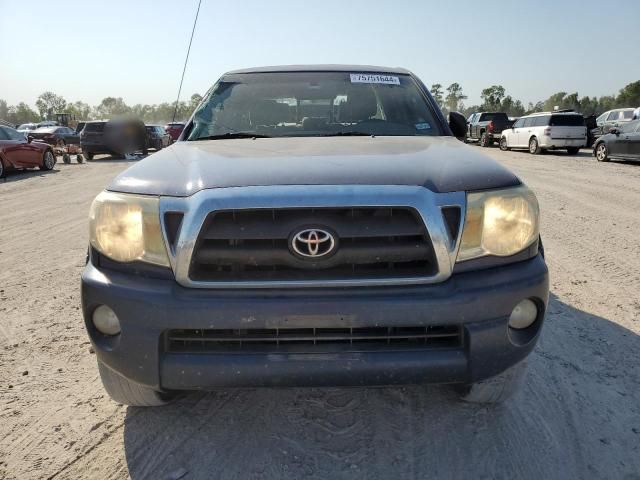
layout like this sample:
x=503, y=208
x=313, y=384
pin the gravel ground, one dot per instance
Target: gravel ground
x=578, y=416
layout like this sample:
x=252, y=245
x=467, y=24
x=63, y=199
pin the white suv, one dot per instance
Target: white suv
x=546, y=131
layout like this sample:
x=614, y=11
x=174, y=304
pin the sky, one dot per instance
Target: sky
x=135, y=49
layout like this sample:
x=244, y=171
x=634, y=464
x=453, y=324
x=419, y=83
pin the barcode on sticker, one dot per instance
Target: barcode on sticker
x=374, y=78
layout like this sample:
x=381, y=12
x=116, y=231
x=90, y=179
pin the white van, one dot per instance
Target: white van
x=546, y=131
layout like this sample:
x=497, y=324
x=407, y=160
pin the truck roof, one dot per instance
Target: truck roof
x=321, y=68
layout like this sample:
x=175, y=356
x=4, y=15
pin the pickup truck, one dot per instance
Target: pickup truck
x=316, y=226
x=487, y=127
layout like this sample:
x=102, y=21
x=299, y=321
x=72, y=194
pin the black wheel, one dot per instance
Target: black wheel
x=534, y=147
x=503, y=144
x=2, y=171
x=602, y=152
x=127, y=392
x=485, y=140
x=495, y=389
x=79, y=158
x=48, y=160
x=66, y=158
x=573, y=150
x=89, y=155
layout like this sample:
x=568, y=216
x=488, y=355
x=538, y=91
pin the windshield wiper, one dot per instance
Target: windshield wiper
x=233, y=135
x=347, y=134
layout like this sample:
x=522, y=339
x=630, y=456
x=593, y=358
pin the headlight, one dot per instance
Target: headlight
x=499, y=222
x=126, y=228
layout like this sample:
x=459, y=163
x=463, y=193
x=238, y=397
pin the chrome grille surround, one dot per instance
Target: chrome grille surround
x=196, y=208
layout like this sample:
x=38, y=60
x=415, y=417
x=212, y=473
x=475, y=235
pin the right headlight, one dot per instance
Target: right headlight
x=126, y=228
x=499, y=222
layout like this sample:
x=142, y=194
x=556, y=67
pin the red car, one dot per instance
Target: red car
x=16, y=152
x=174, y=129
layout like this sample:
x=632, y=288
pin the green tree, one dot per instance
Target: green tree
x=48, y=103
x=492, y=97
x=112, y=107
x=454, y=97
x=534, y=107
x=511, y=107
x=555, y=100
x=436, y=92
x=630, y=95
x=80, y=110
x=4, y=109
x=22, y=113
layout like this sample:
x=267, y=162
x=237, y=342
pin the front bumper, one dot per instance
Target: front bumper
x=479, y=301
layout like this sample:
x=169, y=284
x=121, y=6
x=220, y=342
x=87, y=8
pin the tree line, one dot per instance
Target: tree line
x=48, y=104
x=494, y=98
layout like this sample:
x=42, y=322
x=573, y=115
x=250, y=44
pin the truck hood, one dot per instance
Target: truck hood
x=441, y=164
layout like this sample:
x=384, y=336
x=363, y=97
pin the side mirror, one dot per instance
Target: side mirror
x=615, y=131
x=458, y=125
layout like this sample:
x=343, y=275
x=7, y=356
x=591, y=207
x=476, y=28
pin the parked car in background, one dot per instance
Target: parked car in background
x=17, y=152
x=157, y=137
x=613, y=118
x=174, y=129
x=113, y=137
x=26, y=128
x=55, y=135
x=620, y=143
x=546, y=131
x=48, y=123
x=485, y=127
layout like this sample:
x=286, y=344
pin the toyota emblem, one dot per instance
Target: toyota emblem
x=313, y=243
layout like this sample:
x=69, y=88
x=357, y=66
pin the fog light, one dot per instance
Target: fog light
x=523, y=315
x=106, y=321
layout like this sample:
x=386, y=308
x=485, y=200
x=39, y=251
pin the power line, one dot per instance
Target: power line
x=184, y=69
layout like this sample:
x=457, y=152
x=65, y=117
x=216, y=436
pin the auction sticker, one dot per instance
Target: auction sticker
x=374, y=78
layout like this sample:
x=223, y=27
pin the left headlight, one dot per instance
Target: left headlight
x=127, y=228
x=499, y=222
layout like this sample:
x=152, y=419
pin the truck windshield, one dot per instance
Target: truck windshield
x=312, y=104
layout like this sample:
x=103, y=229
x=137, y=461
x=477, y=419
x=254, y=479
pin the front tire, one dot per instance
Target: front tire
x=602, y=152
x=573, y=150
x=495, y=389
x=48, y=161
x=130, y=393
x=2, y=171
x=504, y=146
x=534, y=146
x=89, y=155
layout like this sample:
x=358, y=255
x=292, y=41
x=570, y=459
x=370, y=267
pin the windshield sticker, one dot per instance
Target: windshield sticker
x=423, y=126
x=374, y=78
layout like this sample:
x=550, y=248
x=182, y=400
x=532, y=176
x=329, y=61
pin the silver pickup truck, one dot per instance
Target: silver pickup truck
x=314, y=225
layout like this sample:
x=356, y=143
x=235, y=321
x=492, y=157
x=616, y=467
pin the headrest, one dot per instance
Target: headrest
x=269, y=112
x=361, y=105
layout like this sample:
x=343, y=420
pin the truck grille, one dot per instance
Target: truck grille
x=254, y=245
x=271, y=340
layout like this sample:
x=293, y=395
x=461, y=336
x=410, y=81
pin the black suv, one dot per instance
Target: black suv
x=113, y=137
x=317, y=225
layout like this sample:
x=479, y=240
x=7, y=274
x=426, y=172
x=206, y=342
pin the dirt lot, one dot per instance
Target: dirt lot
x=577, y=417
